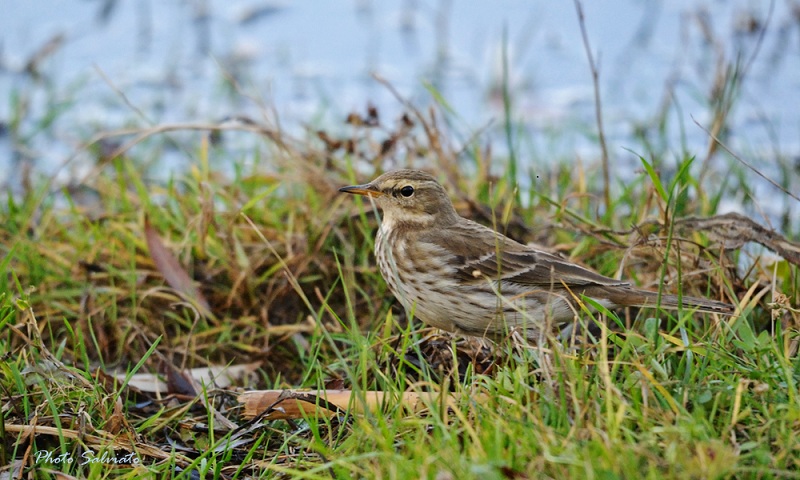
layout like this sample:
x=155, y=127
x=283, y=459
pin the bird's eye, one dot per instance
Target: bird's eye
x=407, y=191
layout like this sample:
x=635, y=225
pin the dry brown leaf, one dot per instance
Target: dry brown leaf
x=220, y=376
x=173, y=272
x=283, y=404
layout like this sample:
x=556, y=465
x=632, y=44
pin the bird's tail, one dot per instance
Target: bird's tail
x=634, y=297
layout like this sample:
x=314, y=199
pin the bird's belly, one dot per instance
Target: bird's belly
x=478, y=312
x=486, y=314
x=431, y=292
x=483, y=312
x=418, y=283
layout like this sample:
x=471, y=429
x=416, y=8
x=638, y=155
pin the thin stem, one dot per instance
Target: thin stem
x=597, y=105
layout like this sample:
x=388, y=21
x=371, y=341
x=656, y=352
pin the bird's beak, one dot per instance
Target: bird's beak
x=367, y=189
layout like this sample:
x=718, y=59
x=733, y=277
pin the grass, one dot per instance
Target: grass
x=281, y=275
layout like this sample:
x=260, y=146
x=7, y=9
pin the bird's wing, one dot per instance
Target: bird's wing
x=476, y=250
x=534, y=268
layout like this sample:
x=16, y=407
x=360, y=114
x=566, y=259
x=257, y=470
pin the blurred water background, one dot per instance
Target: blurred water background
x=72, y=68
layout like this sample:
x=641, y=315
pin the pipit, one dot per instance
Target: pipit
x=458, y=275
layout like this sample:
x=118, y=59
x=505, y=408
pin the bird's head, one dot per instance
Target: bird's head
x=408, y=196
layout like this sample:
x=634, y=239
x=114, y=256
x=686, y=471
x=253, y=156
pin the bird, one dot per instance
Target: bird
x=457, y=275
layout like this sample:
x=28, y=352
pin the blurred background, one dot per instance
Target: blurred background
x=72, y=68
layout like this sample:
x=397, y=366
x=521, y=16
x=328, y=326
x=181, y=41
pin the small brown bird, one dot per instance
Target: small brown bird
x=458, y=275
